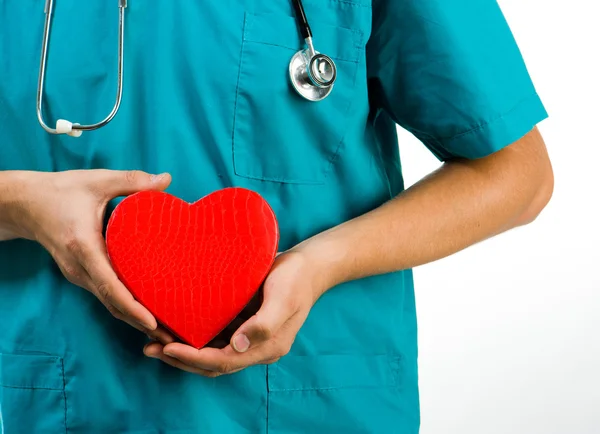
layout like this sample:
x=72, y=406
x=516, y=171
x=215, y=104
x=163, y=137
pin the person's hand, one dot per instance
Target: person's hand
x=64, y=212
x=289, y=292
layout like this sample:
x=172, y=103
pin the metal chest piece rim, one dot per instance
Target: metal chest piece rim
x=310, y=82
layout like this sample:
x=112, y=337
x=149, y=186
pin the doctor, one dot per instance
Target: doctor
x=208, y=102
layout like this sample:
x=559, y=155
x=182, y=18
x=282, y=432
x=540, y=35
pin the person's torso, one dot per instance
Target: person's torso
x=206, y=97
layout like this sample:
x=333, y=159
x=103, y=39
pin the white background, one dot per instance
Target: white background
x=509, y=329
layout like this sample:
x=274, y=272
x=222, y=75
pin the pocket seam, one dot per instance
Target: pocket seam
x=346, y=2
x=59, y=373
x=391, y=380
x=7, y=386
x=32, y=386
x=328, y=389
x=357, y=37
x=272, y=44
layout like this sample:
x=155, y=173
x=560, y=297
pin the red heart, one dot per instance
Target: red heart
x=194, y=266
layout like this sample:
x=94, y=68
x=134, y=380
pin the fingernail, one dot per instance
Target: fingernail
x=157, y=178
x=241, y=343
x=146, y=326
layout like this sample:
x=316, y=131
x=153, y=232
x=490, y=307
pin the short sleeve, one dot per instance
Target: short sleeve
x=451, y=73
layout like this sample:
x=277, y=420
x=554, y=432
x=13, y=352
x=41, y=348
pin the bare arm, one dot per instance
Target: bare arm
x=462, y=203
x=9, y=186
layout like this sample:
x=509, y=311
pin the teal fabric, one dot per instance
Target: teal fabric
x=207, y=98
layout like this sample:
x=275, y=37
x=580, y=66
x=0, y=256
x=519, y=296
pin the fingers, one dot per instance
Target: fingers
x=207, y=360
x=262, y=327
x=109, y=289
x=228, y=360
x=106, y=284
x=155, y=350
x=212, y=360
x=161, y=335
x=113, y=183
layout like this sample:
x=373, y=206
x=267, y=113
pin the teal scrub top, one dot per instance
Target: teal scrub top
x=208, y=99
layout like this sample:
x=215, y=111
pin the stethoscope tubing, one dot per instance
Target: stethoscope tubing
x=48, y=9
x=304, y=75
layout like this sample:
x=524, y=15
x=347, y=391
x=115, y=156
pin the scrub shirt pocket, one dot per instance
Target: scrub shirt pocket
x=351, y=394
x=32, y=394
x=278, y=135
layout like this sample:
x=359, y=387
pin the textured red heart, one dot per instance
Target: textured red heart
x=194, y=266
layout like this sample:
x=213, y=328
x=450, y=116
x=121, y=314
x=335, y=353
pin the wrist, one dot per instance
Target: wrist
x=326, y=262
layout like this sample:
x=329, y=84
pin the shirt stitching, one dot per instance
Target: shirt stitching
x=485, y=124
x=318, y=389
x=8, y=386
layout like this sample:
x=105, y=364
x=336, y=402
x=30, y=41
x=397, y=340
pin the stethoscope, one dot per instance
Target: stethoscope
x=312, y=74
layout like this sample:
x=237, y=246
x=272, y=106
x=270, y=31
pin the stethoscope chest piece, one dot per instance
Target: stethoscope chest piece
x=312, y=74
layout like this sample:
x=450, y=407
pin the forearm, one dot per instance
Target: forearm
x=455, y=207
x=10, y=182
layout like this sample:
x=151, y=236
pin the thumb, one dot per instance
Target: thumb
x=261, y=327
x=124, y=183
